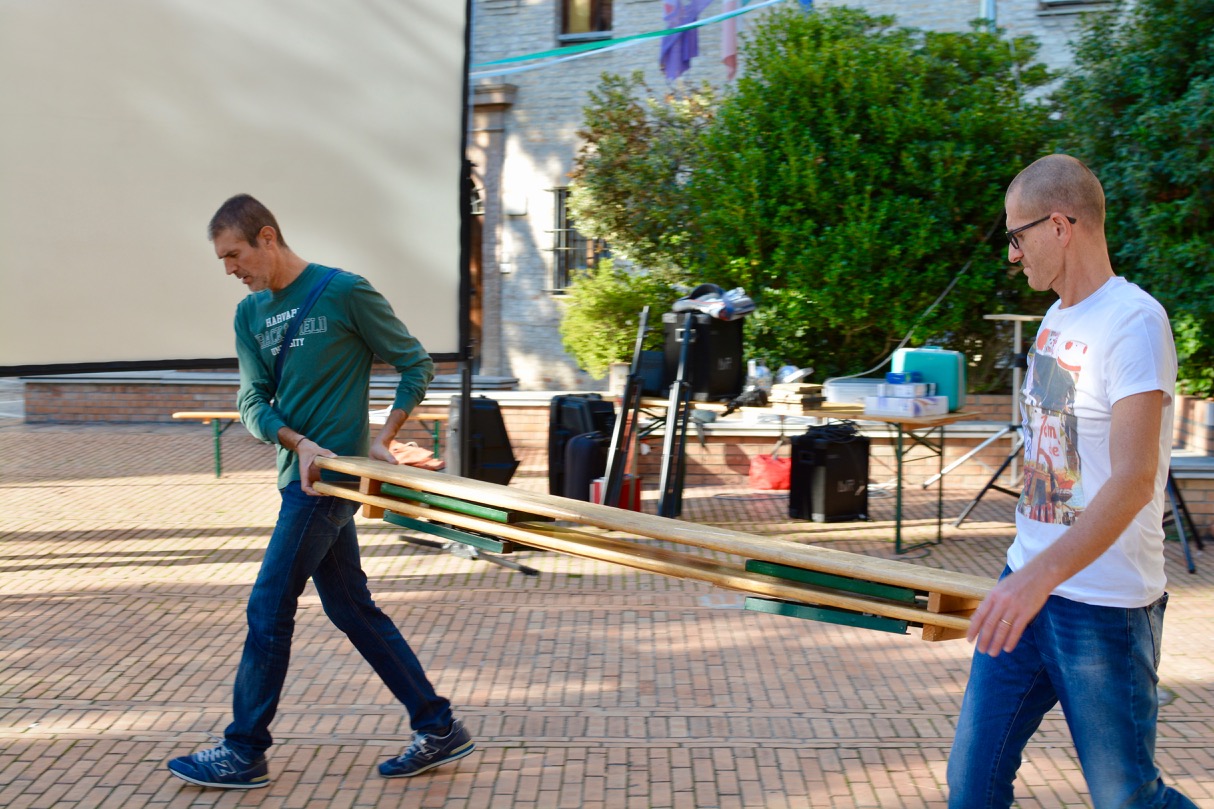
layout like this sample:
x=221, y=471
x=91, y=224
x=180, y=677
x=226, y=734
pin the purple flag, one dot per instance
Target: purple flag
x=679, y=49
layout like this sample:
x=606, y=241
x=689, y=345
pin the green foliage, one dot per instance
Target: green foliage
x=1140, y=112
x=854, y=170
x=602, y=313
x=637, y=153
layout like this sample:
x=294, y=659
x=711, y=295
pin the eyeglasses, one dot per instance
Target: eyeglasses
x=1012, y=234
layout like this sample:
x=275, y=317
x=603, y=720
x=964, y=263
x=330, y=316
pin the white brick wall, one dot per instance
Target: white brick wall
x=541, y=139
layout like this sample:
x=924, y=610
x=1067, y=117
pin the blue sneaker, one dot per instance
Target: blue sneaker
x=221, y=767
x=429, y=751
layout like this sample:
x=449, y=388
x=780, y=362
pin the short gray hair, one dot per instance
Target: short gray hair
x=1059, y=182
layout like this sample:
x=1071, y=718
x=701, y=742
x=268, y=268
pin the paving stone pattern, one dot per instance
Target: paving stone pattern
x=124, y=568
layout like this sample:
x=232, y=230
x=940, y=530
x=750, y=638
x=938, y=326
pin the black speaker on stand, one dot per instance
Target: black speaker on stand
x=715, y=370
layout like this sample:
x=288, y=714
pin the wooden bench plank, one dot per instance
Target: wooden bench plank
x=206, y=416
x=767, y=549
x=214, y=418
x=547, y=536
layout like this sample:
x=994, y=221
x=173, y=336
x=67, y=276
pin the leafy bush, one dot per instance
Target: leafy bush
x=602, y=314
x=854, y=170
x=637, y=154
x=1139, y=110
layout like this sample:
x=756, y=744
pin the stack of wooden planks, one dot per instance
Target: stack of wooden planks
x=795, y=398
x=779, y=576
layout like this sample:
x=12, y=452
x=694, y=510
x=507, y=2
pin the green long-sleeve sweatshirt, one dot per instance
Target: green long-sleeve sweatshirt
x=324, y=392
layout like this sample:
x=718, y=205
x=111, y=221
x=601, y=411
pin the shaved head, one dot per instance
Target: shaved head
x=1059, y=183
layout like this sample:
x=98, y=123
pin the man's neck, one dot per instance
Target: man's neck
x=290, y=267
x=1079, y=290
x=1086, y=270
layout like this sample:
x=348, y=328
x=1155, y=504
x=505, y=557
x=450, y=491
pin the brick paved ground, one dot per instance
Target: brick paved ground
x=124, y=567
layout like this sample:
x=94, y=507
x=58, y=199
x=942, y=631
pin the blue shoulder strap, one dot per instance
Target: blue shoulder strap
x=297, y=321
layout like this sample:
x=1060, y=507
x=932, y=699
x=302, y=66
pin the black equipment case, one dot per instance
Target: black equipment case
x=491, y=459
x=585, y=460
x=829, y=481
x=570, y=416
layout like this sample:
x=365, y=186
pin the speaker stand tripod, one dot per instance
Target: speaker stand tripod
x=1179, y=516
x=1017, y=446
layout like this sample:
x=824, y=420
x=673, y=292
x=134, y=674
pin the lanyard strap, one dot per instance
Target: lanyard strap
x=297, y=321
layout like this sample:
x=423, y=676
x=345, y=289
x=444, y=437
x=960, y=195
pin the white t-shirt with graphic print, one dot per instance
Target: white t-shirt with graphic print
x=1115, y=343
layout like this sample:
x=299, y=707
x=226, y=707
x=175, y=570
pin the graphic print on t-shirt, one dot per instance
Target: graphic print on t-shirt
x=1053, y=477
x=277, y=326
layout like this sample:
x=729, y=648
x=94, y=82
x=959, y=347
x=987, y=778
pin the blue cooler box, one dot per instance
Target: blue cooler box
x=945, y=368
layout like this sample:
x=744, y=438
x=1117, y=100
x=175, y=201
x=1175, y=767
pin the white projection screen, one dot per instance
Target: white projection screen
x=124, y=125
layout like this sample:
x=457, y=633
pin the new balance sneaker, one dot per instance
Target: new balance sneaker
x=221, y=767
x=429, y=751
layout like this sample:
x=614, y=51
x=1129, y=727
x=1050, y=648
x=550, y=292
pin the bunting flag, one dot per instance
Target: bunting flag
x=729, y=40
x=679, y=49
x=509, y=65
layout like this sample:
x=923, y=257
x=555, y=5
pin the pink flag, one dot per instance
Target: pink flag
x=729, y=40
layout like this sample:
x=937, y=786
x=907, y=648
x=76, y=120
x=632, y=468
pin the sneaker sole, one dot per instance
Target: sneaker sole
x=217, y=785
x=453, y=757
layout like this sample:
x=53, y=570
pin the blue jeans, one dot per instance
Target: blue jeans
x=315, y=538
x=1099, y=663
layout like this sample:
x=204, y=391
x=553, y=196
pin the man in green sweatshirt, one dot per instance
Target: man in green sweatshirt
x=314, y=403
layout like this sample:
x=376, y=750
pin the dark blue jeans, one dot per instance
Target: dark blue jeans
x=1099, y=663
x=315, y=538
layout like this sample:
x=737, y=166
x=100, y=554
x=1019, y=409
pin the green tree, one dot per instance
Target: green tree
x=844, y=182
x=854, y=172
x=602, y=313
x=637, y=154
x=1139, y=110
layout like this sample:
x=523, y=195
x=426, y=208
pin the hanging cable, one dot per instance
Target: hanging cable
x=934, y=304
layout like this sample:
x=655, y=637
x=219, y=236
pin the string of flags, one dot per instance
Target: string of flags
x=681, y=19
x=683, y=45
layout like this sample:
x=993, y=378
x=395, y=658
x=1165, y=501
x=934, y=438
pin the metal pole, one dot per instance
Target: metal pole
x=1017, y=381
x=670, y=501
x=987, y=11
x=465, y=418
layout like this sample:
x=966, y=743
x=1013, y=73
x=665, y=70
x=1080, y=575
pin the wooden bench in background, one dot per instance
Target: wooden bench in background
x=220, y=421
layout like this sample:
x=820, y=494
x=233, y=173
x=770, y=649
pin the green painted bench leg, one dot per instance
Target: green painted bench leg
x=828, y=615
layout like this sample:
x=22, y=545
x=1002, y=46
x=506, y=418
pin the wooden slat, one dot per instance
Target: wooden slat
x=948, y=605
x=207, y=415
x=768, y=549
x=656, y=560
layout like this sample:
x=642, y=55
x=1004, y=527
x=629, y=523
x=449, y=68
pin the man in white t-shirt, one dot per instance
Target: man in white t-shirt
x=1077, y=617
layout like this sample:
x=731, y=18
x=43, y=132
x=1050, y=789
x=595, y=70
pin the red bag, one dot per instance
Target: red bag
x=770, y=472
